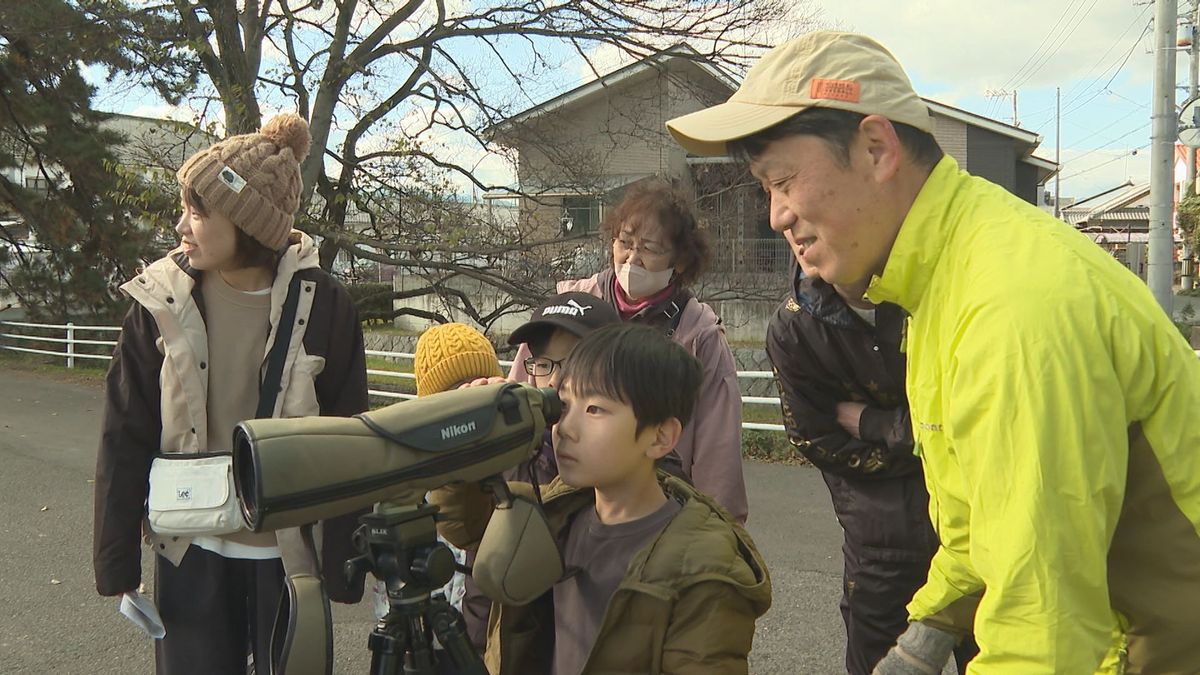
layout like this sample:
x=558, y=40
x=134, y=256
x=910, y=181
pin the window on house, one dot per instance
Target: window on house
x=38, y=183
x=581, y=215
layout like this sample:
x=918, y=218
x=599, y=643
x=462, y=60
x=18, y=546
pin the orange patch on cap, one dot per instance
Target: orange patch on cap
x=837, y=90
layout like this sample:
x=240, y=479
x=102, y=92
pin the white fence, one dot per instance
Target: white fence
x=70, y=353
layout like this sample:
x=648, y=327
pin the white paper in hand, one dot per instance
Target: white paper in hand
x=141, y=611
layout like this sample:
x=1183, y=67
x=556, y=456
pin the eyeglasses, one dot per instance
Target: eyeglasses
x=540, y=366
x=627, y=246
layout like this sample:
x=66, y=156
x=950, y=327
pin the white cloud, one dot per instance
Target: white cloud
x=985, y=44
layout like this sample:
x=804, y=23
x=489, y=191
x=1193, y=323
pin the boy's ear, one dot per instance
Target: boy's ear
x=666, y=436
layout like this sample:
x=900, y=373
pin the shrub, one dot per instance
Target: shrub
x=373, y=300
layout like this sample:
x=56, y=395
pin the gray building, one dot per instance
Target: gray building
x=579, y=151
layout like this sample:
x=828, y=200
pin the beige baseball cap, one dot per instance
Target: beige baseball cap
x=825, y=69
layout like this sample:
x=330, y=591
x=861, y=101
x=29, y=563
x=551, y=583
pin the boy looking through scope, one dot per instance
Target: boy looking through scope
x=658, y=577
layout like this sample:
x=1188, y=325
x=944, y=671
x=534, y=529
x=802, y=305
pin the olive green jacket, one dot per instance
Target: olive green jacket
x=687, y=604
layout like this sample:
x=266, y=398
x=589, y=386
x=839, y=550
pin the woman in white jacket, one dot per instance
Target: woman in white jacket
x=188, y=368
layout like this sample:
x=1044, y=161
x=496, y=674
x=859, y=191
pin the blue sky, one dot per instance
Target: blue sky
x=958, y=52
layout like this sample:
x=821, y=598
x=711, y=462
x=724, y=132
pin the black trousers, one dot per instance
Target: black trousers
x=217, y=612
x=886, y=551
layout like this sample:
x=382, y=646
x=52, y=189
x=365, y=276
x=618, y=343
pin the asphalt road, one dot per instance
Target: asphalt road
x=52, y=620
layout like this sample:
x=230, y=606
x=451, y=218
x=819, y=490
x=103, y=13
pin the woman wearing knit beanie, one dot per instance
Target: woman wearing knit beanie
x=192, y=356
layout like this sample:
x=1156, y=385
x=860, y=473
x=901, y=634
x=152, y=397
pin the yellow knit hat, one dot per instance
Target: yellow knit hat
x=451, y=353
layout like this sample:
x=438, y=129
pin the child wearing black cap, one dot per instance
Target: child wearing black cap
x=556, y=326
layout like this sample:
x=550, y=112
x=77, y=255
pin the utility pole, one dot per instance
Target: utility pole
x=1185, y=281
x=1161, y=269
x=1057, y=150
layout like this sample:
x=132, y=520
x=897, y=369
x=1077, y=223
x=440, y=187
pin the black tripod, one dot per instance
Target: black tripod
x=399, y=545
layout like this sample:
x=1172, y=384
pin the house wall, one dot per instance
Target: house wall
x=688, y=89
x=154, y=148
x=951, y=134
x=986, y=154
x=992, y=156
x=610, y=139
x=1025, y=184
x=616, y=132
x=158, y=147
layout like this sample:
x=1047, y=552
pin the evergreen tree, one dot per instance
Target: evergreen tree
x=84, y=223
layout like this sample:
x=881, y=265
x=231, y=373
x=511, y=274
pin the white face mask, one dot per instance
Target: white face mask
x=638, y=282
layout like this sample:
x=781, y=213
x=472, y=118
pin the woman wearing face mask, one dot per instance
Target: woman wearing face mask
x=658, y=253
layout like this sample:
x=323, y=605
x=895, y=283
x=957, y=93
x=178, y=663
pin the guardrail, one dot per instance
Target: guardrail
x=70, y=354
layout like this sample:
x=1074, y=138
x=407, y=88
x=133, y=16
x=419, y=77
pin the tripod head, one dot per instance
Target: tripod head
x=399, y=545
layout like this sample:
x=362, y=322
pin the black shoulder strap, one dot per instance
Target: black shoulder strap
x=678, y=302
x=269, y=390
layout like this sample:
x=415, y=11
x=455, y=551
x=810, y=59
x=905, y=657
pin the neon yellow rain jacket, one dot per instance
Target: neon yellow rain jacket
x=1055, y=407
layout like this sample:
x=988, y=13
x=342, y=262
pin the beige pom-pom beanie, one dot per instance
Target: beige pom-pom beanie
x=254, y=179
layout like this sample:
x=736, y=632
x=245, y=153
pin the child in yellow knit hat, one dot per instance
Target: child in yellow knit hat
x=448, y=355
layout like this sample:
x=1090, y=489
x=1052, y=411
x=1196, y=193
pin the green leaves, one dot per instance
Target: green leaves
x=84, y=217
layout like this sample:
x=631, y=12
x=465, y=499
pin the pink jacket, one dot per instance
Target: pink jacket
x=715, y=462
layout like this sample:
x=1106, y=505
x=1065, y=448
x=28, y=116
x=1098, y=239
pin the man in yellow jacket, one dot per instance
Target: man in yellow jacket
x=1053, y=402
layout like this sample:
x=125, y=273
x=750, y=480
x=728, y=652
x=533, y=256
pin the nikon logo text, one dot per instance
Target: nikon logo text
x=457, y=430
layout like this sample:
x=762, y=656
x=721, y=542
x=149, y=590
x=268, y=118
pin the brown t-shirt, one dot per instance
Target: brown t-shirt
x=237, y=323
x=596, y=557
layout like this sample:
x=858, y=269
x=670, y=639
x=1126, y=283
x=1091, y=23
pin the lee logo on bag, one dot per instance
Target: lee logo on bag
x=183, y=494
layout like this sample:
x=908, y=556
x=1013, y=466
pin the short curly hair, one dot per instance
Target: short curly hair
x=657, y=201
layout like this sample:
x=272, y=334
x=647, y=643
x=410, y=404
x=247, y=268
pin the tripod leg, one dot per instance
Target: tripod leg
x=420, y=652
x=387, y=645
x=448, y=626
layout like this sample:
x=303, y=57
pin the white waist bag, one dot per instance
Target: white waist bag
x=193, y=495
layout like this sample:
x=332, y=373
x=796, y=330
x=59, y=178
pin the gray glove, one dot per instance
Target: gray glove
x=921, y=650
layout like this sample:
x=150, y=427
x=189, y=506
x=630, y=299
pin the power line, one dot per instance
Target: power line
x=1039, y=57
x=1123, y=155
x=1121, y=67
x=1106, y=127
x=1072, y=104
x=1049, y=55
x=1108, y=51
x=1039, y=47
x=1111, y=141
